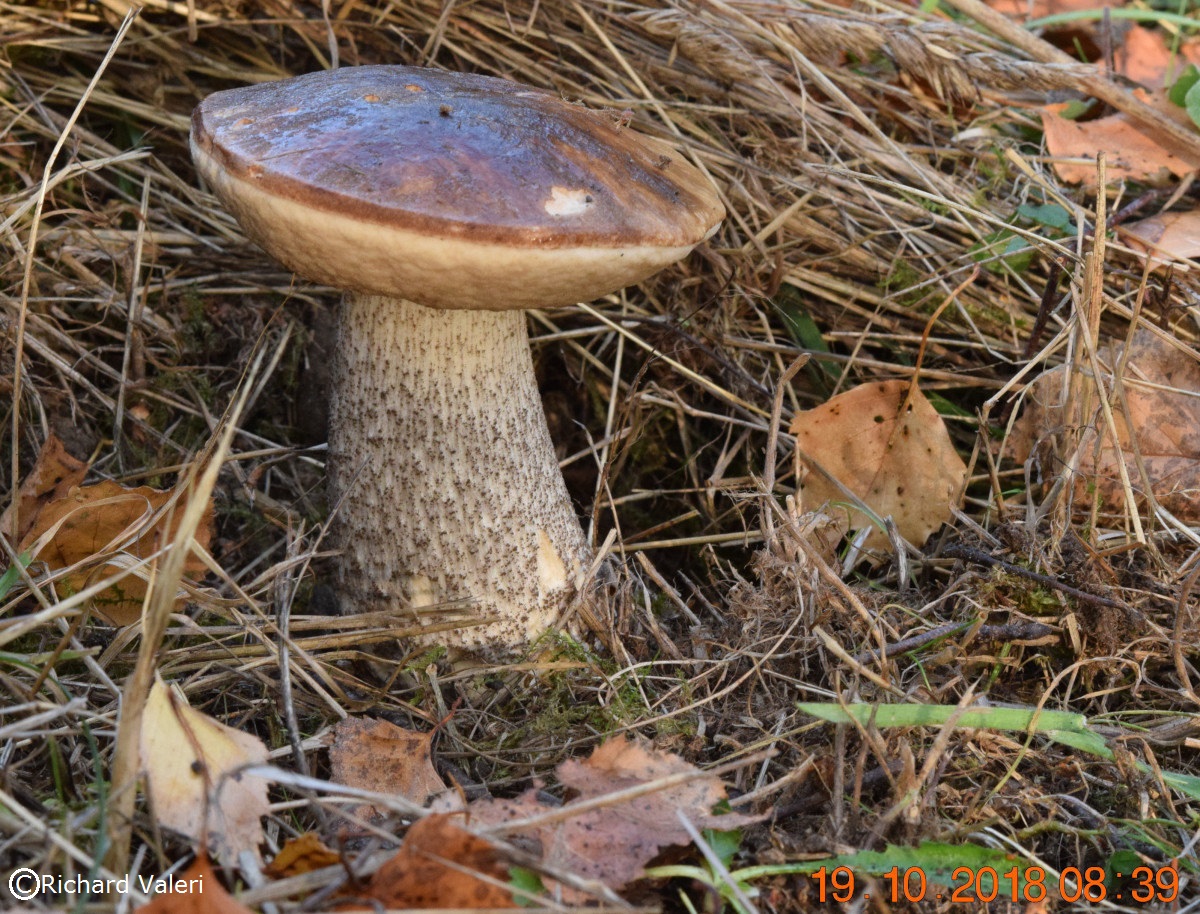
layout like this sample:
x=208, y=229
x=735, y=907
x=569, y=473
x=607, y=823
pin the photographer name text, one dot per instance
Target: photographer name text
x=26, y=884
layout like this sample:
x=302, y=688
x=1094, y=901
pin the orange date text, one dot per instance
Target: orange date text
x=974, y=885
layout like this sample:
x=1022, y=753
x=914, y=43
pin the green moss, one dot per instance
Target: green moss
x=1024, y=595
x=419, y=663
x=197, y=335
x=902, y=284
x=189, y=432
x=563, y=705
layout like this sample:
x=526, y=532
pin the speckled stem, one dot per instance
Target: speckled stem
x=448, y=480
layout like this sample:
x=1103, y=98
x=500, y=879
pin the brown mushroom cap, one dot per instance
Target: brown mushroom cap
x=451, y=190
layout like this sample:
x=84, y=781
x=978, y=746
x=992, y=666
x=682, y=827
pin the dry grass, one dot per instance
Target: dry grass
x=868, y=159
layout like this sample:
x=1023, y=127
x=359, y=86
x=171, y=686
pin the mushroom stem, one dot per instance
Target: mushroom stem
x=459, y=496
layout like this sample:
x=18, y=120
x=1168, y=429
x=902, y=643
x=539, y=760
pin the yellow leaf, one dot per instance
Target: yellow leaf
x=193, y=775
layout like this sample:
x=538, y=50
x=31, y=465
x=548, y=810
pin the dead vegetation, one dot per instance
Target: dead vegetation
x=874, y=162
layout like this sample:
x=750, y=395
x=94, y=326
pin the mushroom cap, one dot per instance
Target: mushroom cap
x=450, y=190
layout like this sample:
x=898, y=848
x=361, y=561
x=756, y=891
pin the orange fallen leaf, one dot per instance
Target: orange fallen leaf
x=1129, y=152
x=100, y=528
x=1161, y=384
x=442, y=865
x=193, y=774
x=611, y=843
x=377, y=755
x=53, y=475
x=1036, y=9
x=620, y=763
x=1145, y=57
x=196, y=891
x=1167, y=236
x=902, y=466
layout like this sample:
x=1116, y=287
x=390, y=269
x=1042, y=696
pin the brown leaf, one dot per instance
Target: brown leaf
x=1161, y=386
x=441, y=865
x=899, y=466
x=53, y=475
x=377, y=755
x=619, y=764
x=88, y=521
x=1129, y=151
x=200, y=892
x=1145, y=57
x=301, y=855
x=1167, y=236
x=192, y=765
x=612, y=843
x=1036, y=9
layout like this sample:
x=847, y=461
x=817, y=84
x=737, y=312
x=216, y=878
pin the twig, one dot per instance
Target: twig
x=982, y=558
x=1044, y=307
x=1011, y=631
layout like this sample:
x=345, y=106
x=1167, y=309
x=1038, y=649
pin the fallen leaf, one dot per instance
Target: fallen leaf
x=904, y=467
x=612, y=843
x=1036, y=9
x=442, y=865
x=1145, y=57
x=1162, y=393
x=1129, y=152
x=620, y=764
x=1167, y=236
x=377, y=755
x=83, y=527
x=301, y=855
x=193, y=775
x=198, y=891
x=53, y=475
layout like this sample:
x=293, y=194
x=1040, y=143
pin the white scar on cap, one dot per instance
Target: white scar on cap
x=567, y=202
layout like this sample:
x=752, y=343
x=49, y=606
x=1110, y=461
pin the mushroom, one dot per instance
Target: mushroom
x=444, y=204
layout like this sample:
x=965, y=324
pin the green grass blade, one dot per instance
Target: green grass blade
x=1061, y=726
